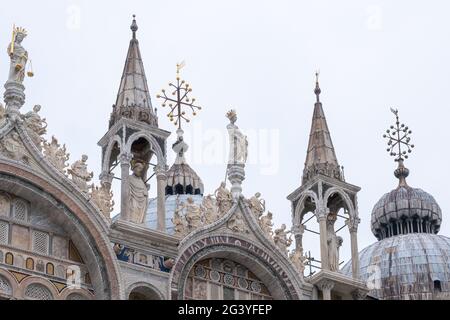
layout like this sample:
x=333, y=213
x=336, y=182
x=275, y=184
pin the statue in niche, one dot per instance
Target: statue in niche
x=257, y=205
x=266, y=224
x=193, y=214
x=224, y=199
x=238, y=141
x=13, y=148
x=138, y=192
x=18, y=56
x=80, y=174
x=179, y=223
x=56, y=154
x=209, y=210
x=281, y=239
x=103, y=199
x=334, y=243
x=36, y=125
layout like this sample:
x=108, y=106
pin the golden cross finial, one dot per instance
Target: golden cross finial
x=179, y=99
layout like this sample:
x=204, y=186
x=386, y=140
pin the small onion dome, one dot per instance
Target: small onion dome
x=406, y=267
x=181, y=178
x=405, y=210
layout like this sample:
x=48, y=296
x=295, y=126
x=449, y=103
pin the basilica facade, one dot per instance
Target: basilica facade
x=63, y=238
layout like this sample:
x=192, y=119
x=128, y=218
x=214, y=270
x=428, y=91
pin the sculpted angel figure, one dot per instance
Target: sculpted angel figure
x=236, y=223
x=138, y=192
x=281, y=239
x=80, y=174
x=36, y=125
x=257, y=205
x=193, y=214
x=18, y=56
x=209, y=209
x=266, y=224
x=180, y=225
x=298, y=259
x=224, y=198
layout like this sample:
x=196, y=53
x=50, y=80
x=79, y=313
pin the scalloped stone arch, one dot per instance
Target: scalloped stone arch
x=67, y=292
x=143, y=284
x=37, y=280
x=11, y=281
x=107, y=155
x=88, y=227
x=300, y=205
x=273, y=274
x=154, y=146
x=345, y=197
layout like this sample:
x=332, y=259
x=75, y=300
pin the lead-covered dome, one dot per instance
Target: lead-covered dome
x=406, y=267
x=405, y=210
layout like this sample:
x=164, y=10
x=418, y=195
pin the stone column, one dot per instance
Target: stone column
x=14, y=98
x=125, y=188
x=298, y=231
x=353, y=228
x=326, y=286
x=322, y=219
x=236, y=174
x=106, y=179
x=161, y=179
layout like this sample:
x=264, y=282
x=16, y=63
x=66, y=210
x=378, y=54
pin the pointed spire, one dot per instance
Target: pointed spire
x=133, y=98
x=320, y=157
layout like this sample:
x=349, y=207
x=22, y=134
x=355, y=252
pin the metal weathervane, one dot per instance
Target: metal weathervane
x=399, y=139
x=178, y=99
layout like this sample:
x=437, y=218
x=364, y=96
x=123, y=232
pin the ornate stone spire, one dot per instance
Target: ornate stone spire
x=133, y=99
x=320, y=157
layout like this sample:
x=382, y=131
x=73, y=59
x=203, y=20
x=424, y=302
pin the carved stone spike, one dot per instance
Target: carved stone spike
x=193, y=215
x=56, y=154
x=103, y=199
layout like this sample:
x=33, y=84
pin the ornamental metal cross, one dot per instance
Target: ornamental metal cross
x=178, y=99
x=398, y=139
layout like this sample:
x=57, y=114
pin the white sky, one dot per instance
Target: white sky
x=258, y=57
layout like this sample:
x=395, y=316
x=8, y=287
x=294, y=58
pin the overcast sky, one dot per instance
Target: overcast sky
x=258, y=57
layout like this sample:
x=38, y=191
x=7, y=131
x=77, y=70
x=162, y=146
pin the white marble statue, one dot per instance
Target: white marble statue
x=179, y=222
x=138, y=193
x=334, y=243
x=298, y=260
x=193, y=214
x=56, y=154
x=238, y=141
x=281, y=239
x=36, y=125
x=103, y=199
x=224, y=198
x=18, y=56
x=209, y=209
x=266, y=224
x=80, y=174
x=257, y=205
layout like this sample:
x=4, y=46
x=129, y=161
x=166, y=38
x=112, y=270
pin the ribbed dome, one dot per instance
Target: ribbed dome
x=182, y=179
x=405, y=210
x=407, y=267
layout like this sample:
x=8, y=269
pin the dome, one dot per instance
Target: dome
x=182, y=179
x=405, y=210
x=407, y=267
